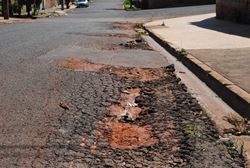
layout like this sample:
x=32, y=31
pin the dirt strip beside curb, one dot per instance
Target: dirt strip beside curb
x=233, y=95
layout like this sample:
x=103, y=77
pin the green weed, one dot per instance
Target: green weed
x=194, y=130
x=182, y=52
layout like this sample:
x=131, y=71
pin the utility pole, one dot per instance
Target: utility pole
x=6, y=10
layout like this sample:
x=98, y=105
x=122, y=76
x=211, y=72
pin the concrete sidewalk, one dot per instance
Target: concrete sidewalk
x=218, y=53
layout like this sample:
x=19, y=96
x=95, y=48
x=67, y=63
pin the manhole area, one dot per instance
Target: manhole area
x=141, y=74
x=78, y=64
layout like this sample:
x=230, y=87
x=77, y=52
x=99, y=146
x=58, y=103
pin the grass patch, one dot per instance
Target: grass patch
x=140, y=30
x=182, y=51
x=194, y=130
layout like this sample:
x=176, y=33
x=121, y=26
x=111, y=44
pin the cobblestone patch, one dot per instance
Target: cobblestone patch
x=169, y=131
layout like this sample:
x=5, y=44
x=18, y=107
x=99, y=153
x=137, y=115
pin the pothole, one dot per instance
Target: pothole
x=133, y=44
x=124, y=25
x=77, y=64
x=122, y=35
x=118, y=35
x=126, y=107
x=142, y=74
x=119, y=131
x=136, y=44
x=127, y=136
x=107, y=47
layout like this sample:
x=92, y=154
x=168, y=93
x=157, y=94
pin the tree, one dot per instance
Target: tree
x=6, y=9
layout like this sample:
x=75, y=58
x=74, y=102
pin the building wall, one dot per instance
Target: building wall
x=235, y=10
x=149, y=4
x=50, y=3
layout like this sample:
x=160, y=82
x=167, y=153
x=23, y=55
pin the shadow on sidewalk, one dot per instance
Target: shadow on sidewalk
x=227, y=27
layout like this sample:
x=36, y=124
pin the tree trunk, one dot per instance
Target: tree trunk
x=6, y=10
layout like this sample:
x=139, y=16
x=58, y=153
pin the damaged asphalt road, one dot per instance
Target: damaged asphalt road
x=164, y=125
x=86, y=91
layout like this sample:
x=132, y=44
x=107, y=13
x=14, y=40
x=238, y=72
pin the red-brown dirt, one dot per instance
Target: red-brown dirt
x=124, y=25
x=77, y=64
x=127, y=136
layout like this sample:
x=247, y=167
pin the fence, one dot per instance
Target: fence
x=235, y=10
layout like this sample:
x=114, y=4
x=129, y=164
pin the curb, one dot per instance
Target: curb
x=230, y=93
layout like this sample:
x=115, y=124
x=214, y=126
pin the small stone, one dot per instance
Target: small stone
x=225, y=141
x=108, y=162
x=103, y=144
x=64, y=106
x=106, y=104
x=138, y=165
x=125, y=118
x=125, y=91
x=178, y=161
x=129, y=165
x=170, y=68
